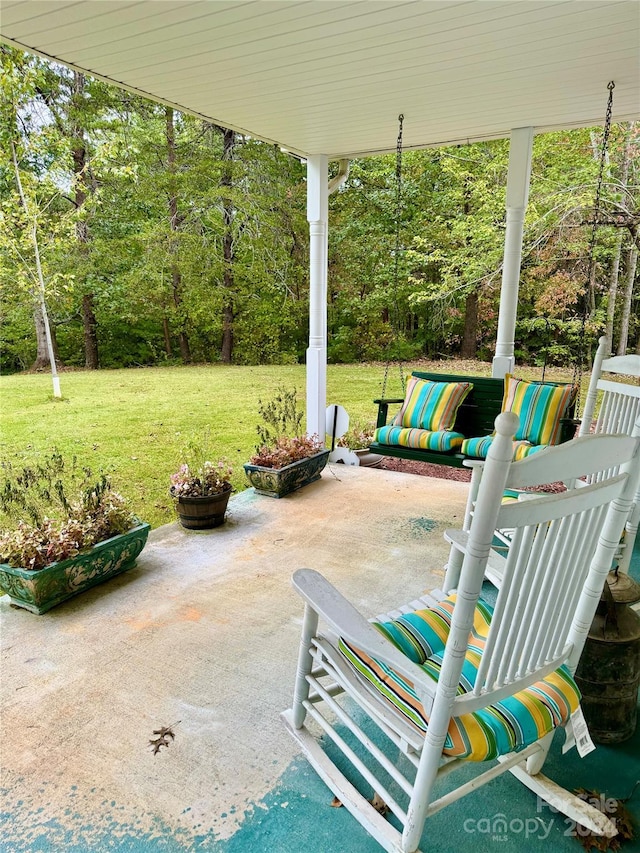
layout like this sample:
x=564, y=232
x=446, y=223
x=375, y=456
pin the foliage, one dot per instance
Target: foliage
x=285, y=450
x=161, y=235
x=52, y=510
x=198, y=476
x=358, y=436
x=280, y=438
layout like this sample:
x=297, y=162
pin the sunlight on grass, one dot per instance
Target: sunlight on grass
x=133, y=424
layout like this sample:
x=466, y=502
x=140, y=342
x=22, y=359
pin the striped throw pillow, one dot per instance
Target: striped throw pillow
x=431, y=405
x=540, y=407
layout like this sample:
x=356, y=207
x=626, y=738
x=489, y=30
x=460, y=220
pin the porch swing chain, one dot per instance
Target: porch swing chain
x=396, y=268
x=592, y=241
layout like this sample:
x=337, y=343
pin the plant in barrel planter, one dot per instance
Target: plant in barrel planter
x=285, y=458
x=201, y=489
x=62, y=531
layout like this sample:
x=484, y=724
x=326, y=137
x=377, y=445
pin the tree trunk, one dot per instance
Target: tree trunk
x=80, y=161
x=613, y=287
x=226, y=351
x=176, y=282
x=42, y=351
x=632, y=260
x=470, y=334
x=175, y=220
x=90, y=324
x=226, y=183
x=167, y=336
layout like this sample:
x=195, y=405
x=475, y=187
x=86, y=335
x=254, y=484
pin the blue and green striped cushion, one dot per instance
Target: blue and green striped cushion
x=507, y=726
x=479, y=447
x=422, y=439
x=540, y=407
x=431, y=405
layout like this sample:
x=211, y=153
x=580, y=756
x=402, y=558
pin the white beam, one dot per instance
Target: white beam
x=518, y=177
x=318, y=217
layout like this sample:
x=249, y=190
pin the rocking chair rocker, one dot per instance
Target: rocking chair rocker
x=448, y=680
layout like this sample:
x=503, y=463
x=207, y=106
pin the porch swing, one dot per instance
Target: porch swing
x=447, y=419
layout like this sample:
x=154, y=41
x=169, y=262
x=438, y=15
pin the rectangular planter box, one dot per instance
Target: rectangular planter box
x=278, y=482
x=40, y=590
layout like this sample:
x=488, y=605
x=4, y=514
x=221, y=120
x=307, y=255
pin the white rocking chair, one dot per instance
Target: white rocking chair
x=428, y=706
x=619, y=411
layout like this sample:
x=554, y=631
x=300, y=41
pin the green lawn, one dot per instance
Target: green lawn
x=133, y=423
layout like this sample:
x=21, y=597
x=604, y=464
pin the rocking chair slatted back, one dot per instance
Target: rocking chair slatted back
x=620, y=405
x=619, y=411
x=551, y=539
x=543, y=576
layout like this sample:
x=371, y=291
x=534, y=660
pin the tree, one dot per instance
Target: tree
x=23, y=211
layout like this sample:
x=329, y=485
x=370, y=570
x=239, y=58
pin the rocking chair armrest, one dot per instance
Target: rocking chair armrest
x=383, y=410
x=347, y=622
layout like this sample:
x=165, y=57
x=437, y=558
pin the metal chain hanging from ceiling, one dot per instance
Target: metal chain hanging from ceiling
x=578, y=369
x=395, y=320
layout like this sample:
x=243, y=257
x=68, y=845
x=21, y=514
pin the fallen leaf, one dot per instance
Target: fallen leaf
x=165, y=732
x=157, y=744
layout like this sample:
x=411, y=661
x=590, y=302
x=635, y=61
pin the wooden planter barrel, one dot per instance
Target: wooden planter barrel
x=203, y=512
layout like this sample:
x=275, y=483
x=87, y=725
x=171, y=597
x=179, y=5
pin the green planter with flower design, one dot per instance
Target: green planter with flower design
x=39, y=590
x=278, y=482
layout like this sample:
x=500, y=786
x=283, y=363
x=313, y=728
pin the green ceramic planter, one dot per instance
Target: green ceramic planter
x=282, y=481
x=40, y=590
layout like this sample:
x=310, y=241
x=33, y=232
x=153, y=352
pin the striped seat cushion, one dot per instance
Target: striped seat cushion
x=507, y=726
x=540, y=407
x=479, y=447
x=431, y=405
x=421, y=439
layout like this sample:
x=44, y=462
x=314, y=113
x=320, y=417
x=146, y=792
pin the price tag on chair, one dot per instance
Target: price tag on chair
x=578, y=734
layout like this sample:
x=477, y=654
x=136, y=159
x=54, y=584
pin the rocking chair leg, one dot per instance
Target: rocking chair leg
x=535, y=761
x=305, y=664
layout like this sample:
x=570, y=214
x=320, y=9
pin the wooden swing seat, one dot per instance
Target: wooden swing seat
x=475, y=417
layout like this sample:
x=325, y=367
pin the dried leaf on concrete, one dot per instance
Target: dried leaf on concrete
x=164, y=733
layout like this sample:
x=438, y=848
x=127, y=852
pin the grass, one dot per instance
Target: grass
x=134, y=423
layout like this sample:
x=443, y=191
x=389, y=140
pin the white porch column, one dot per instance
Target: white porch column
x=520, y=149
x=318, y=217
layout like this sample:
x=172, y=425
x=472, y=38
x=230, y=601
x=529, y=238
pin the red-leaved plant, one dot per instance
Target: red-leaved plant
x=280, y=436
x=198, y=476
x=53, y=510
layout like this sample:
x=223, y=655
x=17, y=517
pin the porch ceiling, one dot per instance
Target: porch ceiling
x=332, y=77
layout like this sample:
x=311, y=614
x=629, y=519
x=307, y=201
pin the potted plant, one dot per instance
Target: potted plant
x=201, y=488
x=357, y=440
x=285, y=458
x=62, y=531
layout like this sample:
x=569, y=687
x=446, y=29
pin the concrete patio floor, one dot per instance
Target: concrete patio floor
x=202, y=635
